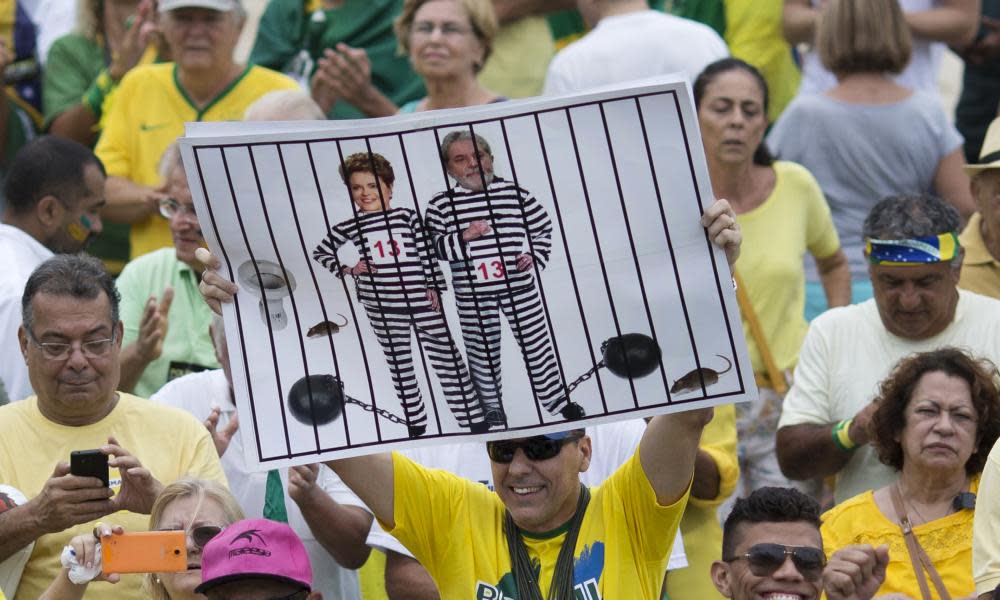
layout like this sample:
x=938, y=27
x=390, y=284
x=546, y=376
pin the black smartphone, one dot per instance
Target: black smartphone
x=89, y=463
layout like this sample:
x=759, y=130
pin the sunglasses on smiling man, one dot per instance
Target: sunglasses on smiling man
x=765, y=559
x=535, y=448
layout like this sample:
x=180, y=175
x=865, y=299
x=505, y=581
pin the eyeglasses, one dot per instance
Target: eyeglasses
x=535, y=448
x=426, y=28
x=200, y=535
x=62, y=350
x=765, y=559
x=169, y=208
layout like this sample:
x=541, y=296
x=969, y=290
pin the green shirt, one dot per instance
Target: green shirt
x=188, y=347
x=292, y=36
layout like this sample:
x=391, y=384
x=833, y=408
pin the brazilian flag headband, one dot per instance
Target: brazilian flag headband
x=921, y=250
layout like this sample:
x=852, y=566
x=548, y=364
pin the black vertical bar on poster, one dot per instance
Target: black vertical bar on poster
x=402, y=286
x=500, y=249
x=456, y=357
x=670, y=245
x=538, y=271
x=569, y=262
x=263, y=299
x=597, y=240
x=468, y=262
x=236, y=299
x=291, y=293
x=350, y=305
x=631, y=243
x=708, y=242
x=365, y=255
x=308, y=263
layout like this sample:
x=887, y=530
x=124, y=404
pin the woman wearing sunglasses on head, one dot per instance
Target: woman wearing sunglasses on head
x=937, y=417
x=200, y=508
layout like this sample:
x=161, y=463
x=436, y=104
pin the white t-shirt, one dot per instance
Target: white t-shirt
x=197, y=394
x=920, y=74
x=848, y=352
x=612, y=444
x=21, y=255
x=635, y=45
x=53, y=19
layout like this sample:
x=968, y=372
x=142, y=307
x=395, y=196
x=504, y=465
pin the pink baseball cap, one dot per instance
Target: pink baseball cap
x=252, y=549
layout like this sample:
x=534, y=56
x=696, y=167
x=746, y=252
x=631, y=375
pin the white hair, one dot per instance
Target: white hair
x=284, y=105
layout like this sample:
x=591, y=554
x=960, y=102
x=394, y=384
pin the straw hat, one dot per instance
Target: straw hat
x=989, y=156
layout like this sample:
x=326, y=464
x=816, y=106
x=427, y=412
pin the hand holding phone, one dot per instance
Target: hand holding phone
x=89, y=463
x=144, y=552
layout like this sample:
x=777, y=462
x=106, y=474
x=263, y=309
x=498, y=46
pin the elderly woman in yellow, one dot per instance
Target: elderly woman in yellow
x=937, y=416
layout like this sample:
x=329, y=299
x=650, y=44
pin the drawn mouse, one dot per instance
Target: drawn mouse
x=692, y=381
x=326, y=328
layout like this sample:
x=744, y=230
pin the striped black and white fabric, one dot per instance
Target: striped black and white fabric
x=487, y=282
x=395, y=298
x=488, y=265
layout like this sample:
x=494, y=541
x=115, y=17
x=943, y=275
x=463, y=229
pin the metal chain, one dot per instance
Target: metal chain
x=379, y=411
x=584, y=377
x=400, y=421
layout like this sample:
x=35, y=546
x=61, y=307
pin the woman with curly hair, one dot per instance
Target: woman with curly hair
x=937, y=417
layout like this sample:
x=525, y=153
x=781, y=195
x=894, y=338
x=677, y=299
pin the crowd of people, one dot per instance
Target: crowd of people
x=860, y=220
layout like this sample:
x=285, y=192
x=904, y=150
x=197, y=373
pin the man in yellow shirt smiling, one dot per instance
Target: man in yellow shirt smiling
x=154, y=101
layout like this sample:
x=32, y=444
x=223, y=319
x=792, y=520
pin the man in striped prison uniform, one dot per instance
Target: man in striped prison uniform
x=399, y=283
x=494, y=235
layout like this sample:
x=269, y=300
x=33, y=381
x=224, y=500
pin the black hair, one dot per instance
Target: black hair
x=910, y=216
x=48, y=166
x=73, y=275
x=761, y=155
x=768, y=505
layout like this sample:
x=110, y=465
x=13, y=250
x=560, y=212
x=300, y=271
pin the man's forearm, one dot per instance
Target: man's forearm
x=668, y=450
x=128, y=202
x=407, y=579
x=707, y=480
x=798, y=22
x=955, y=25
x=341, y=530
x=371, y=478
x=132, y=365
x=18, y=528
x=76, y=123
x=807, y=451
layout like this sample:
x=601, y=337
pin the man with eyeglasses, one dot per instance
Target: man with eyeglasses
x=70, y=338
x=772, y=548
x=54, y=190
x=162, y=286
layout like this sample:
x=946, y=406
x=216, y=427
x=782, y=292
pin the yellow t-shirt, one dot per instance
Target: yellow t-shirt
x=167, y=441
x=947, y=541
x=700, y=526
x=794, y=219
x=149, y=113
x=454, y=527
x=753, y=33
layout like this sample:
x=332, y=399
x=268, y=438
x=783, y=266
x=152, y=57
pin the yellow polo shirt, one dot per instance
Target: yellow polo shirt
x=980, y=271
x=149, y=113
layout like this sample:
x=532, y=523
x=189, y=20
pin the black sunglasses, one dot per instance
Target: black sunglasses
x=535, y=448
x=765, y=559
x=202, y=534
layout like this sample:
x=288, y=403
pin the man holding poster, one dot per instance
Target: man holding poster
x=613, y=542
x=493, y=235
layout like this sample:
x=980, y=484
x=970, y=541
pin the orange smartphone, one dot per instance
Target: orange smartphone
x=144, y=552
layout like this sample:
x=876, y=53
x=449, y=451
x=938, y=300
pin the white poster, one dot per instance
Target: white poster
x=502, y=271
